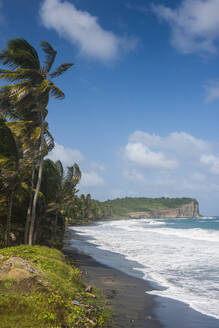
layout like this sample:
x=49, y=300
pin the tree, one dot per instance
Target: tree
x=9, y=164
x=29, y=94
x=70, y=180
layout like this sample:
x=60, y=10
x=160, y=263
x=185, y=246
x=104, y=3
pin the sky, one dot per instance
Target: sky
x=141, y=111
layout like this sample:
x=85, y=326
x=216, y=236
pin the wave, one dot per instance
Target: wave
x=195, y=233
x=144, y=226
x=184, y=262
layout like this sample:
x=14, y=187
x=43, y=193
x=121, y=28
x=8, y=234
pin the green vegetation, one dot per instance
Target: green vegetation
x=123, y=206
x=25, y=139
x=85, y=210
x=36, y=196
x=23, y=102
x=59, y=300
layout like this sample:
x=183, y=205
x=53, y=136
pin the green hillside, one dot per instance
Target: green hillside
x=123, y=206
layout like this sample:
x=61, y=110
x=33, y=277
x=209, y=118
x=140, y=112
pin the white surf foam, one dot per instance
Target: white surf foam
x=195, y=233
x=183, y=261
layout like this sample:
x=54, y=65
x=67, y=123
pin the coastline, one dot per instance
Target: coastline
x=125, y=295
x=126, y=292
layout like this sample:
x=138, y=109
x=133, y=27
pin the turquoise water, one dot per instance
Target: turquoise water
x=205, y=223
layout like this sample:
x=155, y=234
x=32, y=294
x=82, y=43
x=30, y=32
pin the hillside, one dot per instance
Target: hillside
x=125, y=206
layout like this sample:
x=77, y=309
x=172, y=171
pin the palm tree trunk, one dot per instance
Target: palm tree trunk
x=37, y=224
x=27, y=225
x=39, y=179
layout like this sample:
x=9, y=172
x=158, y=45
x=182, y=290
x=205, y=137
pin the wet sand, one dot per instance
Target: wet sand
x=125, y=295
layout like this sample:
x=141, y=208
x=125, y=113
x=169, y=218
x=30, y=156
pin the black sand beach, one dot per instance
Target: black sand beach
x=127, y=297
x=133, y=308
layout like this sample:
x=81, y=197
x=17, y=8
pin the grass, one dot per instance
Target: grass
x=53, y=306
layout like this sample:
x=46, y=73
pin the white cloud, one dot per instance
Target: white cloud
x=91, y=179
x=212, y=90
x=212, y=162
x=175, y=144
x=67, y=156
x=178, y=164
x=133, y=175
x=194, y=25
x=91, y=172
x=144, y=157
x=82, y=29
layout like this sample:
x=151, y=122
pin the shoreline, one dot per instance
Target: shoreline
x=125, y=295
x=149, y=311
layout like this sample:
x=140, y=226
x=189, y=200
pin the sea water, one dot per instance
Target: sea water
x=179, y=256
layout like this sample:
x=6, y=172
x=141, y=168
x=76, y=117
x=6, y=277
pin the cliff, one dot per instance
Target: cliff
x=153, y=207
x=189, y=210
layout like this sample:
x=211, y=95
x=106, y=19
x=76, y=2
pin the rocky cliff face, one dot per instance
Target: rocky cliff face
x=189, y=210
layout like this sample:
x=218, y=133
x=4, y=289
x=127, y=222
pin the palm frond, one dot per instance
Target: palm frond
x=49, y=141
x=19, y=53
x=77, y=174
x=20, y=74
x=55, y=91
x=61, y=69
x=13, y=94
x=8, y=149
x=60, y=168
x=73, y=176
x=50, y=55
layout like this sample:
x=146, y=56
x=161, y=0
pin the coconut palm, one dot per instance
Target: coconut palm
x=29, y=92
x=9, y=165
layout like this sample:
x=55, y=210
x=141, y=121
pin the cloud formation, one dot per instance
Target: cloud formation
x=91, y=179
x=176, y=146
x=212, y=162
x=82, y=29
x=67, y=156
x=91, y=172
x=194, y=25
x=212, y=91
x=141, y=155
x=176, y=165
x=169, y=160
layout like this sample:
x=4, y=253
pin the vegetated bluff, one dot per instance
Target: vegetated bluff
x=154, y=207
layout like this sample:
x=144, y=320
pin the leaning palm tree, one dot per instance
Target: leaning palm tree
x=29, y=93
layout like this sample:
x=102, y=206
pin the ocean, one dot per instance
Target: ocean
x=179, y=257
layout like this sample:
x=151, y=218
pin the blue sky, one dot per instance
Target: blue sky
x=142, y=101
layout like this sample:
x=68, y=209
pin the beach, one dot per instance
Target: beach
x=117, y=257
x=125, y=295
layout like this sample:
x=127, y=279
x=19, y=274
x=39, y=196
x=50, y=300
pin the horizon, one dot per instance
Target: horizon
x=140, y=115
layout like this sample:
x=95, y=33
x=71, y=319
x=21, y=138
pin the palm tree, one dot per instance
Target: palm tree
x=9, y=166
x=30, y=92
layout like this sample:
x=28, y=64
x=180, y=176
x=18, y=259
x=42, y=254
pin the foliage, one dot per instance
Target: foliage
x=24, y=100
x=85, y=210
x=53, y=306
x=123, y=206
x=25, y=140
x=37, y=195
